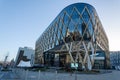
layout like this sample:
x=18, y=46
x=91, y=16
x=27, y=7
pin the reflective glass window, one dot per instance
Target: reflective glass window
x=93, y=18
x=85, y=16
x=80, y=8
x=90, y=28
x=56, y=28
x=64, y=30
x=52, y=45
x=83, y=27
x=56, y=42
x=47, y=39
x=51, y=32
x=60, y=24
x=66, y=19
x=75, y=16
x=54, y=35
x=71, y=26
x=79, y=26
x=58, y=35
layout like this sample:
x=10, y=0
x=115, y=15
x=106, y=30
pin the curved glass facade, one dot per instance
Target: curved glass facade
x=75, y=36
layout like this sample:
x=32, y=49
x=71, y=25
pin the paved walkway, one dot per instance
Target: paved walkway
x=114, y=75
x=30, y=75
x=8, y=75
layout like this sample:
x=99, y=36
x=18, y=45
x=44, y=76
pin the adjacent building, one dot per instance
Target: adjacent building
x=115, y=59
x=24, y=57
x=75, y=38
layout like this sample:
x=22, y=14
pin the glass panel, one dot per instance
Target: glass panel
x=71, y=26
x=85, y=16
x=90, y=28
x=60, y=24
x=75, y=16
x=85, y=32
x=51, y=35
x=66, y=19
x=61, y=16
x=80, y=8
x=83, y=27
x=69, y=10
x=49, y=46
x=58, y=35
x=54, y=37
x=47, y=40
x=80, y=28
x=64, y=30
x=69, y=36
x=53, y=45
x=56, y=42
x=93, y=18
x=76, y=36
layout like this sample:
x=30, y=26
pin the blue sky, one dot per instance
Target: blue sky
x=23, y=21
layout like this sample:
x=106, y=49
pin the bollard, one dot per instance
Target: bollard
x=55, y=75
x=75, y=76
x=23, y=72
x=71, y=74
x=26, y=74
x=39, y=75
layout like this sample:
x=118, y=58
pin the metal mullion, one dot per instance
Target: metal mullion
x=84, y=32
x=55, y=27
x=71, y=16
x=64, y=16
x=63, y=39
x=91, y=23
x=47, y=41
x=52, y=35
x=59, y=29
x=80, y=14
x=88, y=29
x=67, y=45
x=83, y=10
x=43, y=43
x=87, y=11
x=68, y=26
x=62, y=28
x=49, y=38
x=86, y=52
x=65, y=28
x=67, y=23
x=68, y=16
x=90, y=17
x=78, y=30
x=80, y=17
x=57, y=32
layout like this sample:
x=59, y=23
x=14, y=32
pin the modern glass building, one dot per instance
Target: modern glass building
x=24, y=57
x=75, y=38
x=115, y=60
